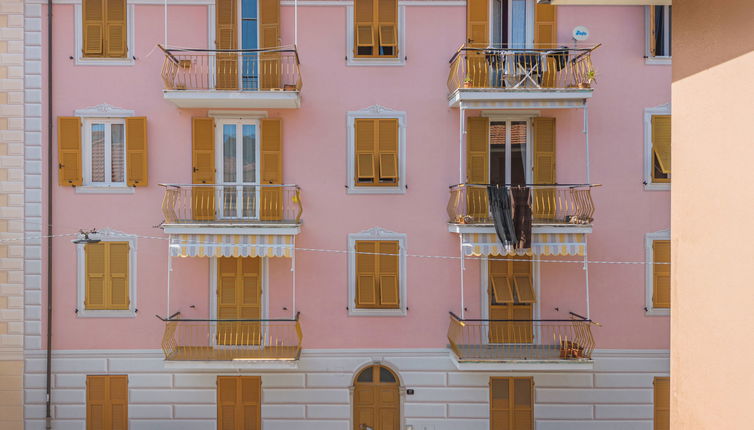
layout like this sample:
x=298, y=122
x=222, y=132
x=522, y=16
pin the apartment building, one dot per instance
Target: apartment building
x=287, y=216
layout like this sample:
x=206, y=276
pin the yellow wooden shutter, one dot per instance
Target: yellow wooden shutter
x=389, y=267
x=661, y=403
x=544, y=167
x=226, y=37
x=96, y=402
x=364, y=31
x=116, y=32
x=117, y=280
x=521, y=270
x=269, y=31
x=477, y=24
x=271, y=149
x=387, y=27
x=69, y=151
x=500, y=403
x=366, y=274
x=652, y=32
x=136, y=152
x=118, y=401
x=522, y=404
x=387, y=147
x=96, y=272
x=477, y=166
x=365, y=143
x=661, y=274
x=239, y=293
x=227, y=399
x=93, y=27
x=250, y=400
x=545, y=26
x=203, y=168
x=500, y=282
x=661, y=141
x=511, y=403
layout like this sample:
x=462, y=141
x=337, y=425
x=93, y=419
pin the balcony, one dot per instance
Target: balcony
x=232, y=340
x=496, y=341
x=516, y=77
x=247, y=79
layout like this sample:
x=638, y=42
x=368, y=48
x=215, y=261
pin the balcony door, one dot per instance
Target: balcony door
x=510, y=162
x=239, y=297
x=510, y=23
x=511, y=297
x=237, y=169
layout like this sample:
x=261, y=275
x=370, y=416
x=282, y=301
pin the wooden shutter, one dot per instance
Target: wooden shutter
x=96, y=272
x=545, y=26
x=661, y=274
x=69, y=151
x=500, y=282
x=115, y=28
x=203, y=168
x=270, y=63
x=388, y=266
x=521, y=270
x=250, y=402
x=387, y=27
x=364, y=31
x=661, y=403
x=117, y=279
x=544, y=167
x=239, y=293
x=93, y=28
x=506, y=277
x=652, y=31
x=366, y=274
x=107, y=402
x=477, y=166
x=387, y=147
x=136, y=152
x=661, y=141
x=271, y=148
x=226, y=37
x=523, y=404
x=511, y=403
x=477, y=24
x=227, y=402
x=365, y=143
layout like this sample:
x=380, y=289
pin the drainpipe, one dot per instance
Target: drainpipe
x=48, y=416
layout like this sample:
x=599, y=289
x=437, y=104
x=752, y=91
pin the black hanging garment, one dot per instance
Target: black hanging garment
x=502, y=217
x=522, y=216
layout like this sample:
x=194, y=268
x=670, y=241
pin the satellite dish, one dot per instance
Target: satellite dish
x=580, y=33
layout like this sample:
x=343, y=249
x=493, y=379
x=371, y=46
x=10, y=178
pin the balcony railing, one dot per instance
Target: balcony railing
x=224, y=340
x=231, y=70
x=512, y=340
x=231, y=204
x=517, y=69
x=550, y=204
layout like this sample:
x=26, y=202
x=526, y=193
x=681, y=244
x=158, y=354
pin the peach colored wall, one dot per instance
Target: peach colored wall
x=714, y=53
x=315, y=135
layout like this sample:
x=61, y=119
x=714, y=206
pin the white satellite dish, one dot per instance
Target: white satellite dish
x=580, y=33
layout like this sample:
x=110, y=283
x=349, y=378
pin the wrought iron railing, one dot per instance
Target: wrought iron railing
x=237, y=339
x=521, y=68
x=239, y=70
x=229, y=204
x=550, y=204
x=504, y=340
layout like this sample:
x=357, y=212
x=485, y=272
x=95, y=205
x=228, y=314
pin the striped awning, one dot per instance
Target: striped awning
x=230, y=245
x=478, y=244
x=526, y=104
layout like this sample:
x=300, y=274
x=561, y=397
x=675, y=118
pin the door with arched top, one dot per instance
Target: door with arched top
x=376, y=399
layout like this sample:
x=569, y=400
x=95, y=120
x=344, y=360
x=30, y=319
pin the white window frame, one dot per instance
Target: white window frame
x=648, y=152
x=352, y=60
x=239, y=123
x=78, y=55
x=648, y=58
x=87, y=152
x=649, y=240
x=375, y=111
x=106, y=235
x=377, y=233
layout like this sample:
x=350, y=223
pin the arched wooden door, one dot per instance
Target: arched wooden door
x=376, y=399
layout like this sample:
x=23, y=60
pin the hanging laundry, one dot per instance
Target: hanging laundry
x=522, y=215
x=502, y=216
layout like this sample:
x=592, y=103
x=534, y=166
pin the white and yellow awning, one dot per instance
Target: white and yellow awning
x=231, y=245
x=484, y=244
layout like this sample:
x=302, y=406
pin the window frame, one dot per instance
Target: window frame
x=509, y=119
x=649, y=240
x=353, y=60
x=377, y=234
x=81, y=60
x=375, y=112
x=87, y=148
x=219, y=153
x=649, y=183
x=106, y=236
x=649, y=59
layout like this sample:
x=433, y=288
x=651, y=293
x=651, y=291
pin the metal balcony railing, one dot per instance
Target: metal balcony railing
x=237, y=70
x=510, y=340
x=224, y=340
x=550, y=204
x=231, y=204
x=516, y=69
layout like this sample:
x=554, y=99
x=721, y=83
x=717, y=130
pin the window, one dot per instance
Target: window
x=659, y=29
x=375, y=28
x=376, y=151
x=657, y=148
x=104, y=32
x=107, y=402
x=511, y=297
x=107, y=275
x=377, y=262
x=661, y=403
x=658, y=273
x=239, y=402
x=237, y=168
x=512, y=403
x=102, y=154
x=376, y=399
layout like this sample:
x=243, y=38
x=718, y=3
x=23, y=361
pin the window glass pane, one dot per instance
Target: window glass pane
x=386, y=376
x=518, y=24
x=229, y=153
x=98, y=152
x=249, y=62
x=500, y=22
x=518, y=152
x=248, y=9
x=365, y=375
x=497, y=152
x=659, y=31
x=117, y=152
x=249, y=153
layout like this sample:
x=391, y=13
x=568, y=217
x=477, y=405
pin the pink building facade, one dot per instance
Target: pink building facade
x=286, y=191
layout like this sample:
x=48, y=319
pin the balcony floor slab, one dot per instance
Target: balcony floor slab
x=215, y=99
x=501, y=98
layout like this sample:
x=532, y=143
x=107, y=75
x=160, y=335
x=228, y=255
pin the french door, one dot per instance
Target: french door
x=238, y=169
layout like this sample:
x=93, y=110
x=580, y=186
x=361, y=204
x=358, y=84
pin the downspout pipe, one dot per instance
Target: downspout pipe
x=48, y=415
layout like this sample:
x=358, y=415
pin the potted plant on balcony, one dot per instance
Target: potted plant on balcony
x=590, y=76
x=467, y=83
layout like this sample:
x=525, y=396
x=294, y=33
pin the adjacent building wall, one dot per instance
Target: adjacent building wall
x=713, y=50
